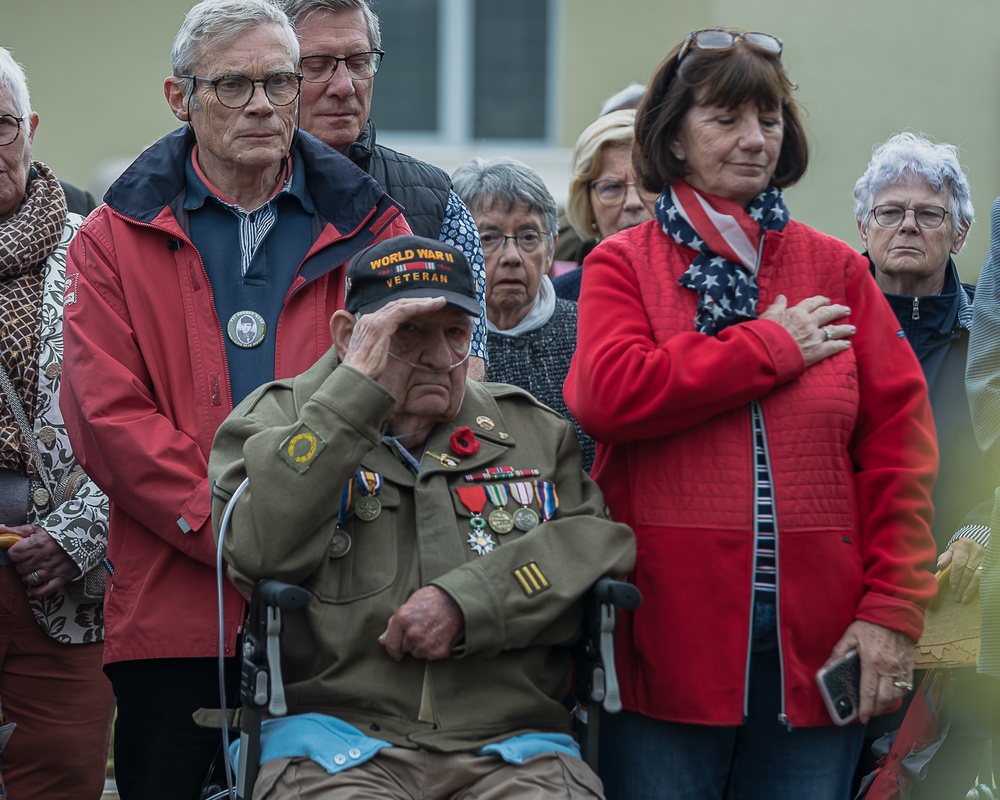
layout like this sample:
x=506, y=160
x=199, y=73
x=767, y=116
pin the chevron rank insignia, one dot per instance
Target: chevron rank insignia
x=531, y=579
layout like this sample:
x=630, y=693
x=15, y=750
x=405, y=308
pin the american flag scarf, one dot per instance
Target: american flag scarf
x=727, y=240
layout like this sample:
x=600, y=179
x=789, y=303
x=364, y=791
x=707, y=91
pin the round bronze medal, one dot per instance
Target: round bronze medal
x=340, y=543
x=525, y=518
x=246, y=329
x=368, y=508
x=501, y=520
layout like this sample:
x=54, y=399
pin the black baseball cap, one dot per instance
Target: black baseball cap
x=410, y=266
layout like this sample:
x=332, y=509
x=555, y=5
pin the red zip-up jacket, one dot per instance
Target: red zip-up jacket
x=852, y=450
x=146, y=382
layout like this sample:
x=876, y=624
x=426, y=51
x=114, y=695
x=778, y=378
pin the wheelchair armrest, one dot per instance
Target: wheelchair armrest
x=260, y=682
x=618, y=593
x=596, y=677
x=261, y=685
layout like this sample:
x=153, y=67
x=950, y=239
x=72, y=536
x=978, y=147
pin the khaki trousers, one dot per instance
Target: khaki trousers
x=397, y=773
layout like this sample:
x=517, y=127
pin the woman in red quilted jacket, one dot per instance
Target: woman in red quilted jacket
x=763, y=426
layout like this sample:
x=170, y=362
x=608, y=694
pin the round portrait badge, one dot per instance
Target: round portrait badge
x=246, y=329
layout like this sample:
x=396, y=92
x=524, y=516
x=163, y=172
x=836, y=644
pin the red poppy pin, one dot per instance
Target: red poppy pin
x=463, y=442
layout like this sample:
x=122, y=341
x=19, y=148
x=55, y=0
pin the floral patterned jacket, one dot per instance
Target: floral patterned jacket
x=80, y=525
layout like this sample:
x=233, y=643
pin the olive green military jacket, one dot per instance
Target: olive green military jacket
x=300, y=442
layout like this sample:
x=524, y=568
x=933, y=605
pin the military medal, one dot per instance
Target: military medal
x=500, y=519
x=525, y=518
x=246, y=329
x=368, y=506
x=474, y=499
x=340, y=542
x=446, y=460
x=548, y=500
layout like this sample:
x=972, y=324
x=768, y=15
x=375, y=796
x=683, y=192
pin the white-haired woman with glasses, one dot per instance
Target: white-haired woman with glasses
x=768, y=437
x=914, y=209
x=53, y=536
x=531, y=332
x=604, y=197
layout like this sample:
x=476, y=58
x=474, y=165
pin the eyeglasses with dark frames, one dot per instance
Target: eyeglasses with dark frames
x=611, y=192
x=10, y=129
x=360, y=66
x=926, y=217
x=525, y=241
x=236, y=91
x=716, y=39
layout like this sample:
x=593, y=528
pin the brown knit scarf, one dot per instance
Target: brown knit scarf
x=27, y=238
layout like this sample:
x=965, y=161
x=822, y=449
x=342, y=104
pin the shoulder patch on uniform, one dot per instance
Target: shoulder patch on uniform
x=531, y=579
x=301, y=448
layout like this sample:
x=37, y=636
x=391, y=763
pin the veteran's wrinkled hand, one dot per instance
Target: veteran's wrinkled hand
x=426, y=626
x=368, y=350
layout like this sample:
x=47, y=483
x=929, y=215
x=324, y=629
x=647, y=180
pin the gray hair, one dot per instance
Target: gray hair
x=14, y=83
x=218, y=22
x=298, y=10
x=486, y=182
x=907, y=155
x=628, y=97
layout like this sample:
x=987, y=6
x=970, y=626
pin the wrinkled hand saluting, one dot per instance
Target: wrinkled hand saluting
x=368, y=351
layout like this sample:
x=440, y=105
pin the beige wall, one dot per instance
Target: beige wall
x=95, y=71
x=866, y=68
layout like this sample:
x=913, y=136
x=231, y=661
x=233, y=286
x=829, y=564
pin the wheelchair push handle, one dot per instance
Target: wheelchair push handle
x=617, y=593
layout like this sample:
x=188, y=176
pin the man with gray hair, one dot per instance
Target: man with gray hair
x=233, y=217
x=341, y=52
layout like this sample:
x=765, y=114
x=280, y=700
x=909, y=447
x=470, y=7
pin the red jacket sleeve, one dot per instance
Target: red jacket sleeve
x=895, y=455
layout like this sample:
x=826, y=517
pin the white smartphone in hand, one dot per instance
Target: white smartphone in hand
x=840, y=685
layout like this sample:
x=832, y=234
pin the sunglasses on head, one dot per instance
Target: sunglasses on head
x=716, y=39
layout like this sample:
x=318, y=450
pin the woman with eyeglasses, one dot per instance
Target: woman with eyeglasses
x=531, y=334
x=767, y=435
x=53, y=519
x=604, y=197
x=914, y=210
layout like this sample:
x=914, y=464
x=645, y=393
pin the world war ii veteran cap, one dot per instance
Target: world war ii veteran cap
x=410, y=266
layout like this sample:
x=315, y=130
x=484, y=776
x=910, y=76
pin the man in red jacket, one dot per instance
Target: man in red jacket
x=236, y=215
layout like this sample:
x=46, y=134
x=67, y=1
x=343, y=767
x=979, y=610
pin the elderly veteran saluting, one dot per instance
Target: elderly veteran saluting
x=212, y=269
x=375, y=478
